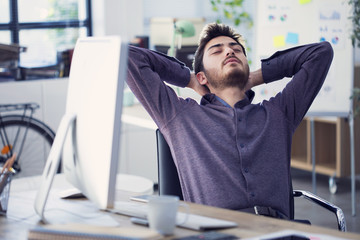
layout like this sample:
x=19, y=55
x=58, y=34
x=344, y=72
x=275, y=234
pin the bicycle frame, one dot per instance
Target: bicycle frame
x=28, y=110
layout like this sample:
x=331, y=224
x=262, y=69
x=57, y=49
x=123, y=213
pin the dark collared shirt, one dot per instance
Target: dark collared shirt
x=231, y=157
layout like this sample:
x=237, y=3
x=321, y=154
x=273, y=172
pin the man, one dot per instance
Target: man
x=229, y=152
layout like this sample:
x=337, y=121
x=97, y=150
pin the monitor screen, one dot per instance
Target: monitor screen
x=88, y=138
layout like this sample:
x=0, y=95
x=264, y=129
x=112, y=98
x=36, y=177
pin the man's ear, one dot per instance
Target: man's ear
x=200, y=76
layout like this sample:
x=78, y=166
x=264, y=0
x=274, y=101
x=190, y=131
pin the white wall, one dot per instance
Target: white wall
x=132, y=17
x=117, y=17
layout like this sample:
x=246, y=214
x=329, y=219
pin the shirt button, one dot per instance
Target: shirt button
x=240, y=119
x=268, y=63
x=242, y=145
x=246, y=170
x=252, y=194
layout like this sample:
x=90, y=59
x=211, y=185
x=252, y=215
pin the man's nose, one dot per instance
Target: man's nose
x=230, y=51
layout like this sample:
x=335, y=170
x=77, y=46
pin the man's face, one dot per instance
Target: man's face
x=225, y=63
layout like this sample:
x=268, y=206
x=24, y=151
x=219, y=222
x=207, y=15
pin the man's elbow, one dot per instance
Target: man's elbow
x=327, y=50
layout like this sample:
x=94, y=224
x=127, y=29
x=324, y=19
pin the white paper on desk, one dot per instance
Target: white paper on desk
x=285, y=233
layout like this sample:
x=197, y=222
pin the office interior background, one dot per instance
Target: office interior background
x=49, y=28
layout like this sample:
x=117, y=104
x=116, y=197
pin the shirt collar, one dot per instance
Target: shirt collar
x=211, y=98
x=223, y=102
x=250, y=94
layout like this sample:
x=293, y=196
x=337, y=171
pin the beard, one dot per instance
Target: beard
x=234, y=78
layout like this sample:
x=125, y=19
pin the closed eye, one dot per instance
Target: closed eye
x=216, y=51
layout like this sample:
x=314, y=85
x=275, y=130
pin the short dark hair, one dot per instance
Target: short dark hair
x=209, y=32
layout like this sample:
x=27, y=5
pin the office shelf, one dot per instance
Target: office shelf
x=332, y=147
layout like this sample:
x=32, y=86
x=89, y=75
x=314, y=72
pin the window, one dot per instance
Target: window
x=45, y=27
x=4, y=19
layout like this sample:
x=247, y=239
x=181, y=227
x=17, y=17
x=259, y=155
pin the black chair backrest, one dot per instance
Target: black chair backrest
x=168, y=178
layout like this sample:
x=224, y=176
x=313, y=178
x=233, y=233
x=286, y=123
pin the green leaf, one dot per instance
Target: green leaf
x=238, y=3
x=227, y=14
x=244, y=14
x=232, y=10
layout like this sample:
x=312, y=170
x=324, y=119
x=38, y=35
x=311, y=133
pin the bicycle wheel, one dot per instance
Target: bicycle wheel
x=33, y=142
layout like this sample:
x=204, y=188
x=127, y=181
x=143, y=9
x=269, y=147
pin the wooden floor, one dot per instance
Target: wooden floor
x=304, y=209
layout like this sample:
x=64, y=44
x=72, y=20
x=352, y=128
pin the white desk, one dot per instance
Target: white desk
x=21, y=215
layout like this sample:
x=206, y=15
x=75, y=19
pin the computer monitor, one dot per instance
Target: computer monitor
x=88, y=138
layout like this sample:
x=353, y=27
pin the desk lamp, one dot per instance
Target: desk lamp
x=182, y=28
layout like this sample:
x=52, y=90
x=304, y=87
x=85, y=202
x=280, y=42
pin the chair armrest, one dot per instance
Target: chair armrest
x=325, y=204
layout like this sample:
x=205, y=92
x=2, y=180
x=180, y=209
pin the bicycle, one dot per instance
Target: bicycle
x=28, y=137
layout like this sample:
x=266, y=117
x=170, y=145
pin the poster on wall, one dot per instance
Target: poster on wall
x=332, y=25
x=282, y=24
x=276, y=13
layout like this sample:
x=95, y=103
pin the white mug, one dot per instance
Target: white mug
x=162, y=211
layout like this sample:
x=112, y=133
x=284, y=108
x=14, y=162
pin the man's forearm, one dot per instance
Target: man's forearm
x=316, y=58
x=308, y=66
x=167, y=68
x=147, y=72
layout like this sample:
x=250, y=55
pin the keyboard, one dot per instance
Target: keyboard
x=194, y=222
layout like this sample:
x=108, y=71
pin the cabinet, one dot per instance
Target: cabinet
x=332, y=147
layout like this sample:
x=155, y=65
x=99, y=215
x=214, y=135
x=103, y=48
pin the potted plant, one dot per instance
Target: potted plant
x=356, y=97
x=232, y=10
x=355, y=38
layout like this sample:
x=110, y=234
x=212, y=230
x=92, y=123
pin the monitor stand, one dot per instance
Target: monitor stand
x=52, y=164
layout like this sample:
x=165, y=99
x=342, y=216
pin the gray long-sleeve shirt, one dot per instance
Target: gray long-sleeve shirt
x=231, y=157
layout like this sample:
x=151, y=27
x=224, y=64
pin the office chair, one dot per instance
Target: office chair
x=168, y=178
x=169, y=183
